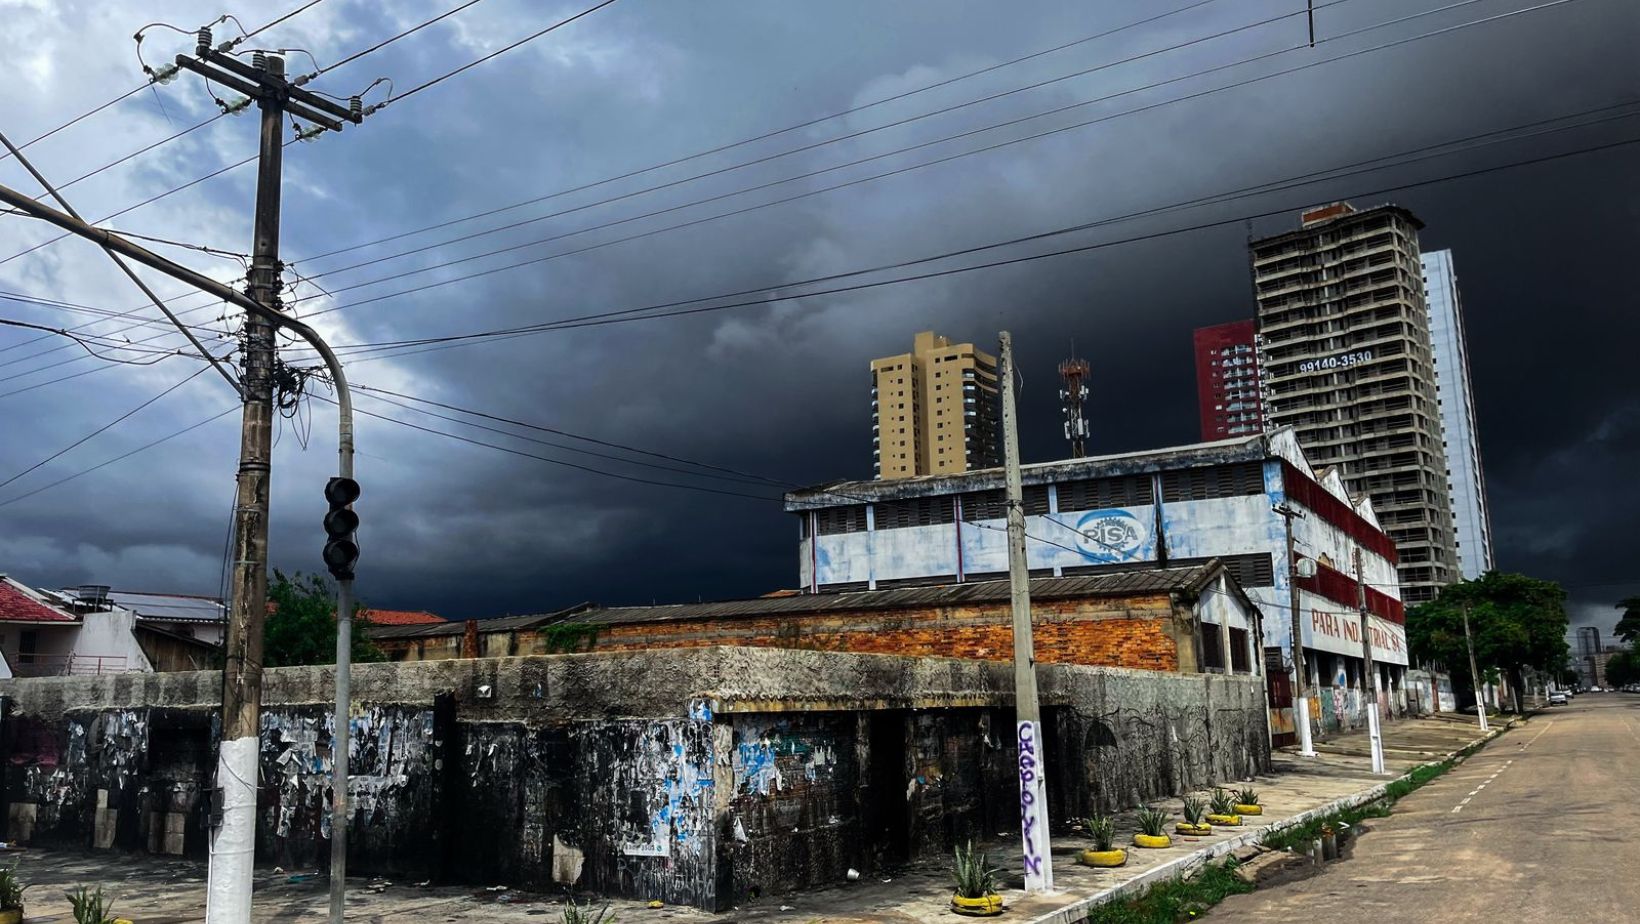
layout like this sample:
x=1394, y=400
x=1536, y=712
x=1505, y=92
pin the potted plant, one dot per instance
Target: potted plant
x=1152, y=828
x=92, y=907
x=976, y=881
x=1102, y=828
x=1193, y=825
x=1247, y=802
x=11, y=896
x=1224, y=809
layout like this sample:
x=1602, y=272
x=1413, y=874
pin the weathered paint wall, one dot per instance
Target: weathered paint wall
x=755, y=771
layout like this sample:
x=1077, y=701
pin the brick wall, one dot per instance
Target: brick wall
x=1145, y=633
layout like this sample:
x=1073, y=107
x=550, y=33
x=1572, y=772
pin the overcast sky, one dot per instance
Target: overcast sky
x=1544, y=255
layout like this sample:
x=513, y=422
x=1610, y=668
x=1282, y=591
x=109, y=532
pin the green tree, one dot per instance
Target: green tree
x=1518, y=623
x=1623, y=669
x=301, y=624
x=1628, y=628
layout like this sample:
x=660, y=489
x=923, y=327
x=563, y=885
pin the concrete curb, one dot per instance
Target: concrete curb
x=1077, y=911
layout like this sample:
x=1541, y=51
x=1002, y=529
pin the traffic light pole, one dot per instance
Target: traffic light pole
x=228, y=897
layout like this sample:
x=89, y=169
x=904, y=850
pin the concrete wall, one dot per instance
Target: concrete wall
x=694, y=776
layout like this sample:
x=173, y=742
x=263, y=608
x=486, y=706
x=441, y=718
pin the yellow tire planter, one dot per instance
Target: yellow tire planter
x=1190, y=830
x=1224, y=821
x=1103, y=858
x=11, y=916
x=983, y=907
x=1242, y=809
x=1152, y=841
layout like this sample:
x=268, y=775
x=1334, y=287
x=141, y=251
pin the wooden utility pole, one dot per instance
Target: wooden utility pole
x=1474, y=672
x=233, y=839
x=1301, y=699
x=1033, y=791
x=1369, y=671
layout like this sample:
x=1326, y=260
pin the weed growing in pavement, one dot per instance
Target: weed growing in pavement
x=1176, y=899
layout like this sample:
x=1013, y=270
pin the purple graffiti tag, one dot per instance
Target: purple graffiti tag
x=1030, y=817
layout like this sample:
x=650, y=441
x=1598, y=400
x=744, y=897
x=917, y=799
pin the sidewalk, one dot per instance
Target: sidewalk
x=156, y=891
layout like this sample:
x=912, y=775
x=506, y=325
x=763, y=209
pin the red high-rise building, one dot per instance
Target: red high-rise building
x=1227, y=380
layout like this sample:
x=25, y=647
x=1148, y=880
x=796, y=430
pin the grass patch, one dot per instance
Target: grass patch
x=1176, y=899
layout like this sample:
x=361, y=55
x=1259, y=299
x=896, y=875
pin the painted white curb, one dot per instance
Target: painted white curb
x=1074, y=913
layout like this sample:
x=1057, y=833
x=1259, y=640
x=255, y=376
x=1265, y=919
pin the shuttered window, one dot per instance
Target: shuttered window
x=915, y=511
x=1236, y=480
x=1099, y=493
x=833, y=520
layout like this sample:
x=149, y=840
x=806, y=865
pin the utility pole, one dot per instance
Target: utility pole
x=1033, y=791
x=233, y=840
x=1369, y=672
x=1474, y=672
x=1301, y=699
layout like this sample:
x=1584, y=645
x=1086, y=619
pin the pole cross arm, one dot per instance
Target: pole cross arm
x=113, y=242
x=306, y=97
x=257, y=91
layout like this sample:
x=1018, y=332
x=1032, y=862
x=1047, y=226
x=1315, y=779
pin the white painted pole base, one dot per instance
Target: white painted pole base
x=1033, y=809
x=233, y=845
x=1301, y=709
x=1376, y=733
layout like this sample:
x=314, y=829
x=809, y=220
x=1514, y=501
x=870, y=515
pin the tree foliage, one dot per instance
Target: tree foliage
x=1518, y=622
x=1628, y=627
x=301, y=624
x=1623, y=669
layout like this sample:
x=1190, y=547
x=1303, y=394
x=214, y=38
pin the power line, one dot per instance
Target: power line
x=829, y=141
x=495, y=54
x=390, y=40
x=293, y=13
x=120, y=458
x=81, y=117
x=906, y=169
x=565, y=433
x=646, y=312
x=763, y=137
x=600, y=455
x=86, y=343
x=103, y=429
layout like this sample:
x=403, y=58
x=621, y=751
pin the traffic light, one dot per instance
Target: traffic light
x=341, y=551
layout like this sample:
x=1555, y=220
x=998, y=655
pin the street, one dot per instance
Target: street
x=1542, y=825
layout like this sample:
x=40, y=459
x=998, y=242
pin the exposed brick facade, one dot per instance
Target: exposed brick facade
x=1150, y=632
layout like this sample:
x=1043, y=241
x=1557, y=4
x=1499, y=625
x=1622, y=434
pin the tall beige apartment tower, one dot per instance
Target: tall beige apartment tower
x=1349, y=363
x=935, y=409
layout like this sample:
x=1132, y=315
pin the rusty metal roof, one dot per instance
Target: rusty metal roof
x=1195, y=455
x=1135, y=583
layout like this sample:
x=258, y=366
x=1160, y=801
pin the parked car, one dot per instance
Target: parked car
x=1558, y=698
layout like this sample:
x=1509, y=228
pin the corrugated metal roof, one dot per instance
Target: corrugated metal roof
x=496, y=624
x=1111, y=584
x=1218, y=452
x=170, y=607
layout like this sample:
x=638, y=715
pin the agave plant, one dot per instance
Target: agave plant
x=973, y=873
x=1194, y=808
x=11, y=888
x=1247, y=795
x=90, y=907
x=1152, y=821
x=1223, y=803
x=1102, y=828
x=575, y=913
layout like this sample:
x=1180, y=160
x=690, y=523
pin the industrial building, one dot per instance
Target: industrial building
x=935, y=409
x=1165, y=508
x=1350, y=365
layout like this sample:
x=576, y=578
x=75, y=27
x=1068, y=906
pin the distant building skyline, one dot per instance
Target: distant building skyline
x=1465, y=476
x=1350, y=364
x=934, y=410
x=1229, y=387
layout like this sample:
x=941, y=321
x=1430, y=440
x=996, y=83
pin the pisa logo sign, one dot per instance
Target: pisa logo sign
x=1112, y=535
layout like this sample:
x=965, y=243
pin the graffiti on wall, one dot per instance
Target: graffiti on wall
x=1032, y=807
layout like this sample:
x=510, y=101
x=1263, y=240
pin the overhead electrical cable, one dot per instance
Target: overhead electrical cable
x=120, y=458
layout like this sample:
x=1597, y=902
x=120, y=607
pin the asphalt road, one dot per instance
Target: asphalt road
x=1541, y=825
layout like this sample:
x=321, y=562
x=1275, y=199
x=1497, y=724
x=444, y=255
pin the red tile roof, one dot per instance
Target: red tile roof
x=401, y=617
x=18, y=604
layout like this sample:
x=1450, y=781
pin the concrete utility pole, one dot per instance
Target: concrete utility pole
x=1301, y=699
x=1369, y=672
x=233, y=841
x=1033, y=791
x=1474, y=672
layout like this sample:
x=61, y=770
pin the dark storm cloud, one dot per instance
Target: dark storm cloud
x=781, y=389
